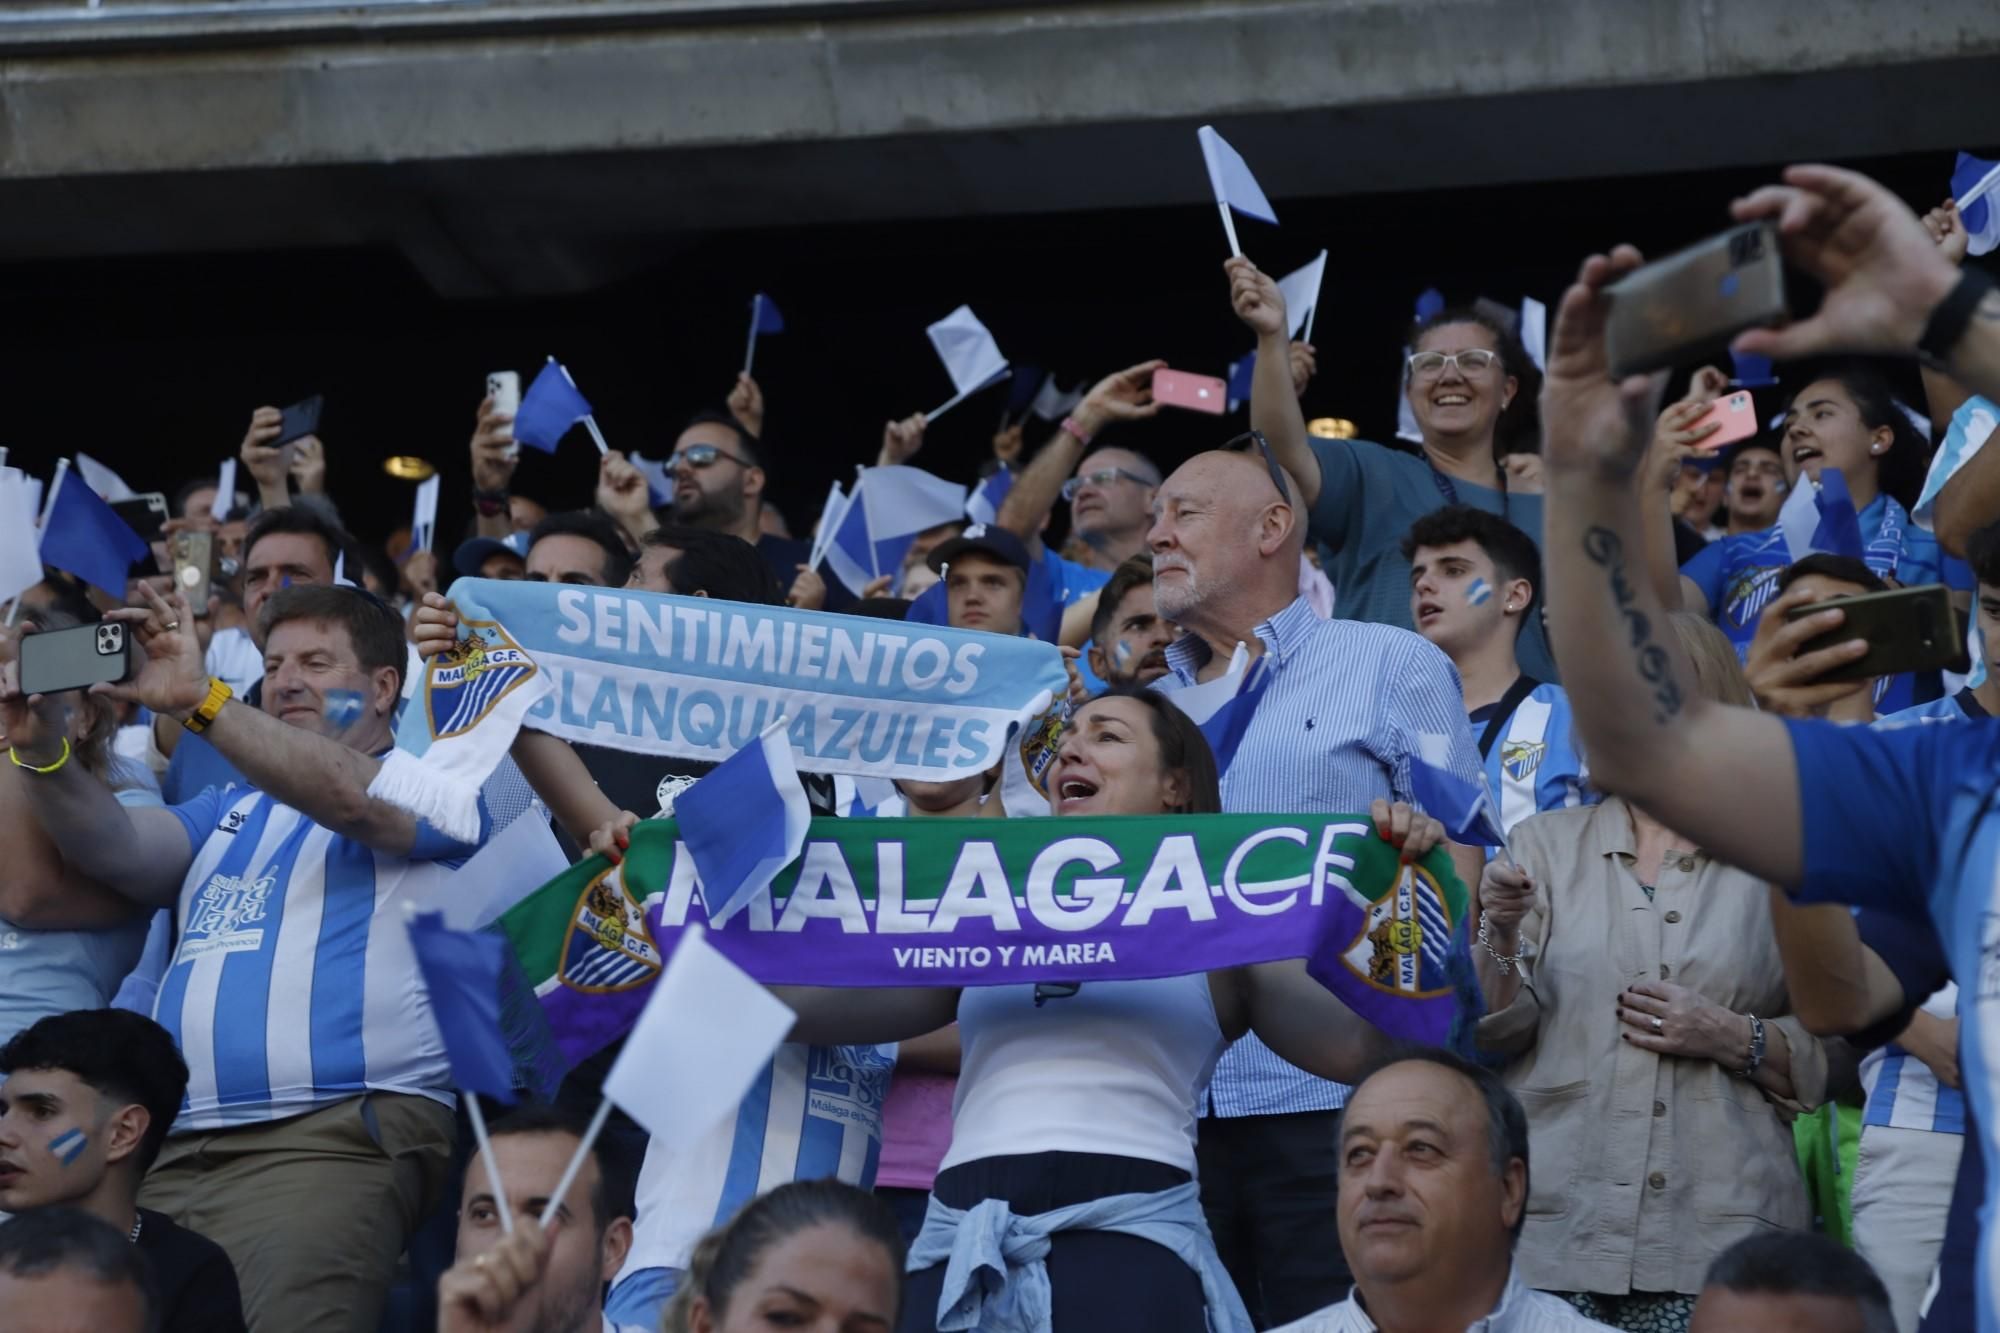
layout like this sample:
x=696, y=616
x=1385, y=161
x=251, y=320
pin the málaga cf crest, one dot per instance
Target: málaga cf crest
x=1404, y=942
x=608, y=947
x=464, y=684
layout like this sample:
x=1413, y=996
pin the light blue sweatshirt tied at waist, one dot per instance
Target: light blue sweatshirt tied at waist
x=996, y=1277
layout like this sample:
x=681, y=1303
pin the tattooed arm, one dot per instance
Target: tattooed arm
x=1651, y=737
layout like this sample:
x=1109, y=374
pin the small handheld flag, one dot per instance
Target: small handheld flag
x=1053, y=404
x=109, y=486
x=1464, y=808
x=1821, y=518
x=744, y=822
x=970, y=354
x=1234, y=186
x=1535, y=332
x=1301, y=292
x=84, y=535
x=550, y=407
x=20, y=561
x=1752, y=371
x=881, y=518
x=1973, y=181
x=224, y=503
x=983, y=505
x=424, y=514
x=1430, y=302
x=764, y=318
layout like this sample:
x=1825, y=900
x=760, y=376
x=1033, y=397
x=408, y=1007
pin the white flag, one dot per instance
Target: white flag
x=705, y=1034
x=423, y=519
x=225, y=491
x=110, y=487
x=1535, y=332
x=1301, y=292
x=970, y=355
x=20, y=558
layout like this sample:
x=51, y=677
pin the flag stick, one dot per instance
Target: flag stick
x=42, y=525
x=750, y=350
x=1229, y=226
x=479, y=1136
x=1310, y=316
x=590, y=424
x=1979, y=191
x=583, y=1148
x=964, y=394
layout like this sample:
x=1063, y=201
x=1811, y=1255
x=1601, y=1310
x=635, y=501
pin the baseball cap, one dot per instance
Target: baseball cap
x=476, y=551
x=986, y=538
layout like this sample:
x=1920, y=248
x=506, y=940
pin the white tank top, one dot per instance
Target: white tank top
x=1117, y=1068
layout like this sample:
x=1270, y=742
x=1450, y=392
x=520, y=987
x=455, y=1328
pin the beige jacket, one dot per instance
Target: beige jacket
x=1642, y=1167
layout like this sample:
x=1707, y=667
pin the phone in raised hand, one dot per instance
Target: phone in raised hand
x=1690, y=305
x=75, y=658
x=504, y=388
x=1736, y=413
x=1196, y=393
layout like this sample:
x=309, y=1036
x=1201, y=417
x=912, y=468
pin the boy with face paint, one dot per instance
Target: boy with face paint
x=1474, y=583
x=88, y=1100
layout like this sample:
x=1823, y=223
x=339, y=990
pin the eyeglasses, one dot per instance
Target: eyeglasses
x=704, y=455
x=1472, y=361
x=1243, y=443
x=1101, y=478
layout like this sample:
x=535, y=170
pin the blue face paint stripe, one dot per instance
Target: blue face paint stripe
x=168, y=1009
x=243, y=999
x=69, y=1145
x=340, y=976
x=1477, y=592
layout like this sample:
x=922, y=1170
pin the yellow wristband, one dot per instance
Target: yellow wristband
x=15, y=756
x=203, y=717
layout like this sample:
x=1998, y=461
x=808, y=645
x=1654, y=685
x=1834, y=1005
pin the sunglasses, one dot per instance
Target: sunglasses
x=1243, y=443
x=1101, y=478
x=704, y=455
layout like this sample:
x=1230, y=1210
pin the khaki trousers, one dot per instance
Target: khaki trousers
x=313, y=1211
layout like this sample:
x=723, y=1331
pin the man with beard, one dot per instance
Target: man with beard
x=719, y=481
x=1128, y=636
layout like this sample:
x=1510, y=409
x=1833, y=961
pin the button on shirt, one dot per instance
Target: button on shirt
x=1334, y=731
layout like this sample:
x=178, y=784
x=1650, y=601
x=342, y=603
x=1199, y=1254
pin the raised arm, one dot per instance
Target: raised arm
x=1674, y=439
x=1124, y=396
x=494, y=458
x=1306, y=1024
x=1274, y=399
x=1650, y=736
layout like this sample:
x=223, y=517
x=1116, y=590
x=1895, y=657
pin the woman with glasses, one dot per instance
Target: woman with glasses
x=1470, y=387
x=1076, y=1105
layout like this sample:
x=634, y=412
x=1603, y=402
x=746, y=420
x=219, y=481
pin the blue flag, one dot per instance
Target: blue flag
x=1429, y=302
x=765, y=316
x=549, y=408
x=983, y=505
x=1752, y=371
x=85, y=536
x=1464, y=808
x=1839, y=529
x=1225, y=727
x=462, y=971
x=744, y=822
x=1242, y=374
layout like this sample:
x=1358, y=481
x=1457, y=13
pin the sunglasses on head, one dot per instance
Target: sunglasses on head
x=704, y=455
x=1255, y=440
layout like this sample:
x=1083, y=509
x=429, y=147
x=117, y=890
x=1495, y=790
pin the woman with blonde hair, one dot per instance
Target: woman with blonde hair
x=1634, y=987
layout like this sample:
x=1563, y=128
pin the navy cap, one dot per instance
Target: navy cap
x=987, y=538
x=476, y=551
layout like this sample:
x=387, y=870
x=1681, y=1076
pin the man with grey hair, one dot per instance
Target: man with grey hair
x=1433, y=1189
x=1327, y=716
x=65, y=1271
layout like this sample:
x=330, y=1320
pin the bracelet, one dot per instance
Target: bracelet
x=1075, y=432
x=203, y=717
x=63, y=758
x=1756, y=1048
x=1947, y=322
x=1507, y=961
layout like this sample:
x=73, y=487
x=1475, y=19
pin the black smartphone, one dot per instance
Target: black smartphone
x=144, y=514
x=300, y=419
x=1908, y=629
x=1689, y=306
x=75, y=659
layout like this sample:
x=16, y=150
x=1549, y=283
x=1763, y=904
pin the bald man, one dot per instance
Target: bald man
x=1336, y=710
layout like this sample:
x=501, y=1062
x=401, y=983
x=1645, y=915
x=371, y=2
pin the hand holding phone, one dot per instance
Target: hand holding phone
x=75, y=659
x=299, y=420
x=503, y=389
x=1196, y=393
x=194, y=567
x=1906, y=629
x=1689, y=305
x=1735, y=413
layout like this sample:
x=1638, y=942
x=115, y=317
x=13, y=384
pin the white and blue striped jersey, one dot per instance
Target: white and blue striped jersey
x=293, y=985
x=1902, y=1091
x=814, y=1113
x=1534, y=765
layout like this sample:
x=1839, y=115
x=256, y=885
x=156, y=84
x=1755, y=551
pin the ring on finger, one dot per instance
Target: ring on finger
x=1658, y=1022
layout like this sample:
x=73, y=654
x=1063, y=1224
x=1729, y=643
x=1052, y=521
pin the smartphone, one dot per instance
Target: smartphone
x=1689, y=306
x=504, y=388
x=194, y=567
x=74, y=659
x=1908, y=629
x=1738, y=414
x=144, y=514
x=300, y=419
x=1197, y=393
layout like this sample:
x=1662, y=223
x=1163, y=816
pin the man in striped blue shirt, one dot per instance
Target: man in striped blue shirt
x=1475, y=581
x=318, y=1124
x=1339, y=716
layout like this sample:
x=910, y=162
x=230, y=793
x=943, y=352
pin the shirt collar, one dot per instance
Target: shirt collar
x=1610, y=831
x=1281, y=635
x=1497, y=1321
